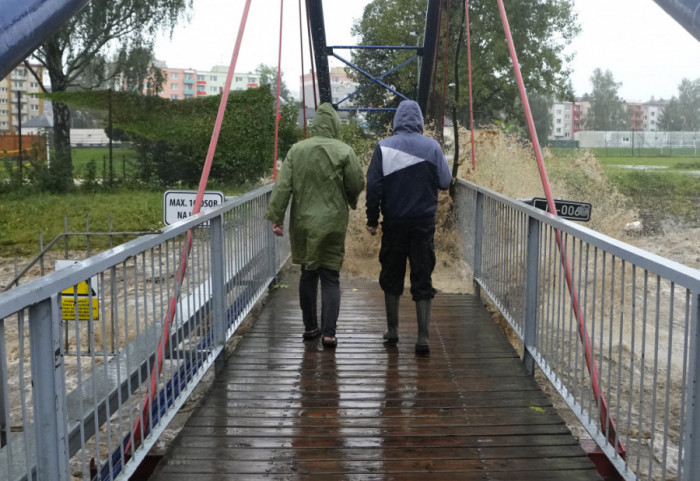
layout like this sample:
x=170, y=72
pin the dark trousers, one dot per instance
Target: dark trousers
x=412, y=241
x=330, y=299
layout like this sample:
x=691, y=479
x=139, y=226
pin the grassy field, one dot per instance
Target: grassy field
x=123, y=162
x=24, y=216
x=663, y=185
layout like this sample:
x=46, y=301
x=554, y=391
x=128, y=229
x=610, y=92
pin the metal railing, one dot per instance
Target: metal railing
x=638, y=310
x=71, y=390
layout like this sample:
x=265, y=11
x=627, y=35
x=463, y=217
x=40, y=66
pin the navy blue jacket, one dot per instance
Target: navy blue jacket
x=405, y=172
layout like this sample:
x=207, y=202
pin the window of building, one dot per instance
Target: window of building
x=239, y=79
x=252, y=80
x=566, y=134
x=34, y=85
x=35, y=108
x=567, y=116
x=559, y=130
x=653, y=113
x=212, y=78
x=558, y=111
x=173, y=87
x=189, y=76
x=653, y=122
x=200, y=78
x=173, y=74
x=18, y=84
x=3, y=89
x=200, y=88
x=3, y=101
x=188, y=96
x=174, y=97
x=213, y=89
x=3, y=112
x=3, y=124
x=558, y=121
x=625, y=139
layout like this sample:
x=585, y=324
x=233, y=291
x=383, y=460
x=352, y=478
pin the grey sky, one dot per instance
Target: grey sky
x=644, y=48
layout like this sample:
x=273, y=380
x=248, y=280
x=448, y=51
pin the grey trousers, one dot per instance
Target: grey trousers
x=330, y=299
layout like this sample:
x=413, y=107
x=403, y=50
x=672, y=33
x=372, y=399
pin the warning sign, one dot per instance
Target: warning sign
x=84, y=297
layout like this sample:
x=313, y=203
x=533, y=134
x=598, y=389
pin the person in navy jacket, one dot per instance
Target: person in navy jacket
x=403, y=179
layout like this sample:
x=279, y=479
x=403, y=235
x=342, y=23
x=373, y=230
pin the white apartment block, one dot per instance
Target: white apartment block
x=17, y=99
x=341, y=87
x=652, y=112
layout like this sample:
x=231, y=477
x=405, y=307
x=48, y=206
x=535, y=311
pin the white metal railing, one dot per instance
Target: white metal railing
x=71, y=391
x=639, y=312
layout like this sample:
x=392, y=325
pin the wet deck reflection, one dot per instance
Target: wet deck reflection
x=287, y=409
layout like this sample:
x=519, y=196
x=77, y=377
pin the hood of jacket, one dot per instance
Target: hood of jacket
x=326, y=122
x=408, y=118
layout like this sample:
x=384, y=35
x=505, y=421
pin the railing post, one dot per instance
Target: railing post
x=49, y=391
x=532, y=272
x=217, y=289
x=691, y=448
x=478, y=241
x=4, y=395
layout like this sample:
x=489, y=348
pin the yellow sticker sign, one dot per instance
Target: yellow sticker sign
x=79, y=295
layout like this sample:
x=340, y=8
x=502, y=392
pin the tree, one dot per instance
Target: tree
x=268, y=76
x=683, y=113
x=607, y=111
x=541, y=31
x=541, y=105
x=107, y=41
x=173, y=137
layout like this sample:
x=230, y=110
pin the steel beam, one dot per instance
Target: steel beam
x=318, y=36
x=430, y=42
x=25, y=24
x=685, y=12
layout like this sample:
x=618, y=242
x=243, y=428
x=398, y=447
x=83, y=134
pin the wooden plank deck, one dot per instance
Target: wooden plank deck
x=287, y=409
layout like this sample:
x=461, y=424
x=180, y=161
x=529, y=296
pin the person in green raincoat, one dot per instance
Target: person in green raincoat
x=323, y=178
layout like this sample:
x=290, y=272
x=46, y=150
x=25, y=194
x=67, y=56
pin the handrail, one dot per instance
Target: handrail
x=15, y=280
x=81, y=402
x=641, y=311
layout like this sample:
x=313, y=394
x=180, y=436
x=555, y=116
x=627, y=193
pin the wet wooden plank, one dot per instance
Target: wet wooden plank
x=287, y=409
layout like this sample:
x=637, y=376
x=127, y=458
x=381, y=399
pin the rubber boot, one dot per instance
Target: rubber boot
x=391, y=303
x=423, y=316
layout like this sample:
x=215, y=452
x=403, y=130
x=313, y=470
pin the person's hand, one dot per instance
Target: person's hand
x=278, y=229
x=371, y=230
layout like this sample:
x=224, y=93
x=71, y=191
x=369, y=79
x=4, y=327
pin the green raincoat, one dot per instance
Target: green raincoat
x=323, y=177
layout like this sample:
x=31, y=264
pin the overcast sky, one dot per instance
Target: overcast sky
x=644, y=48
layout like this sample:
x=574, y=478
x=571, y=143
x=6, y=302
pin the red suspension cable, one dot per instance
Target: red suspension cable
x=142, y=421
x=469, y=69
x=303, y=89
x=444, y=72
x=311, y=54
x=607, y=424
x=279, y=81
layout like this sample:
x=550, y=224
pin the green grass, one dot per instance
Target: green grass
x=674, y=163
x=23, y=215
x=123, y=162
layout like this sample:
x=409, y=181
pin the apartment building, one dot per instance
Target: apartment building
x=650, y=117
x=341, y=87
x=635, y=114
x=566, y=120
x=18, y=99
x=189, y=83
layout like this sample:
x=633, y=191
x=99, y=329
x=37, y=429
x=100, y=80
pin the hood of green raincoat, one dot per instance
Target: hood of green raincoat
x=326, y=122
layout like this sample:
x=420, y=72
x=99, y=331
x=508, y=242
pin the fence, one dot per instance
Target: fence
x=638, y=311
x=71, y=390
x=641, y=143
